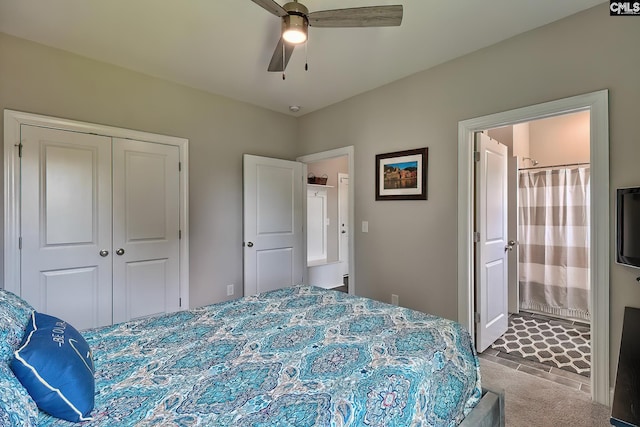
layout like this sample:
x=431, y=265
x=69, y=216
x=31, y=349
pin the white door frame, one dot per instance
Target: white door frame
x=12, y=122
x=330, y=154
x=597, y=104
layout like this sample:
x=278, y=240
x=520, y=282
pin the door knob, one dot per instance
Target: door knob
x=250, y=244
x=104, y=253
x=120, y=251
x=510, y=245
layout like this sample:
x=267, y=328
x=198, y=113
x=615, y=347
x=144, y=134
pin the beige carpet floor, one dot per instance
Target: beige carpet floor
x=535, y=402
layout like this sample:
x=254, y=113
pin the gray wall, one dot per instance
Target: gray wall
x=560, y=140
x=410, y=249
x=42, y=80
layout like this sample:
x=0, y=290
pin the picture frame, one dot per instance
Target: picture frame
x=402, y=175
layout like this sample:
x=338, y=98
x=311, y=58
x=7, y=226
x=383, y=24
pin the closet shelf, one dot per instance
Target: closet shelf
x=320, y=186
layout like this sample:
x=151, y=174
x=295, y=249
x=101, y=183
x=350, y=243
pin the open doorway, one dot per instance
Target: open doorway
x=329, y=207
x=548, y=219
x=597, y=104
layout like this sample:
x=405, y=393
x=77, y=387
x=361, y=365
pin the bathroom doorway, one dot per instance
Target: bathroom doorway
x=549, y=270
x=597, y=104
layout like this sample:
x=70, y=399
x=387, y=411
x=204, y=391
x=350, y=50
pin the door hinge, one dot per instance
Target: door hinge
x=476, y=317
x=476, y=236
x=179, y=166
x=179, y=302
x=19, y=243
x=19, y=149
x=179, y=234
x=476, y=156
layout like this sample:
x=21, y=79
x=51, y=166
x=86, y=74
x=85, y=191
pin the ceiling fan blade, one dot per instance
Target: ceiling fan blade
x=272, y=7
x=276, y=60
x=372, y=16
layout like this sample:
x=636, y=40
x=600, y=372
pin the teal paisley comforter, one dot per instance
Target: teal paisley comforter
x=300, y=356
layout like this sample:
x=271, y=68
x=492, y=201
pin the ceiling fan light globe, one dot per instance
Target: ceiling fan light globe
x=294, y=29
x=294, y=36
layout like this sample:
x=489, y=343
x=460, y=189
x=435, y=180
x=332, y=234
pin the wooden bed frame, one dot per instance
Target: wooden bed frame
x=489, y=412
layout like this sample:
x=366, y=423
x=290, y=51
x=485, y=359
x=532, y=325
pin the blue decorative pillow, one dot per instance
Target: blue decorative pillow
x=16, y=406
x=55, y=365
x=14, y=316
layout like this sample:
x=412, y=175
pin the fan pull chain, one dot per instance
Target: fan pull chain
x=283, y=60
x=306, y=55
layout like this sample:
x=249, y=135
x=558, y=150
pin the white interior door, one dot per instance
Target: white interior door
x=146, y=227
x=66, y=225
x=343, y=221
x=273, y=224
x=513, y=288
x=492, y=247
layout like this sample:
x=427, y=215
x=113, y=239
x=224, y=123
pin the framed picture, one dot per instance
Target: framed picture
x=402, y=175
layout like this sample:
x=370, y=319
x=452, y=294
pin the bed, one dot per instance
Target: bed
x=298, y=356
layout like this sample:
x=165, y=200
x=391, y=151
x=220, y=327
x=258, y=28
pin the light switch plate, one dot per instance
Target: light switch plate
x=365, y=226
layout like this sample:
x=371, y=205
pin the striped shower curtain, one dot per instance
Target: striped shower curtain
x=553, y=232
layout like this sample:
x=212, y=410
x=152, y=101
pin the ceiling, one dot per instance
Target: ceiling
x=224, y=46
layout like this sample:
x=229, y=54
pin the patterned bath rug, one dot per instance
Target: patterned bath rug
x=551, y=342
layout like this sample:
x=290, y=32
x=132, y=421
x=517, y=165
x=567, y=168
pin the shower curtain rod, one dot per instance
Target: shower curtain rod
x=554, y=166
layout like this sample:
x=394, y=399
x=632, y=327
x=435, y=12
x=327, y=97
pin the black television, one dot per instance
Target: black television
x=628, y=227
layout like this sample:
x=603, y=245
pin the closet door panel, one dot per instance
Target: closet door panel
x=66, y=225
x=148, y=287
x=146, y=213
x=80, y=286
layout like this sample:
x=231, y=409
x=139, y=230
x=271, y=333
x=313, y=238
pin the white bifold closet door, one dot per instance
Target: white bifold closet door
x=99, y=226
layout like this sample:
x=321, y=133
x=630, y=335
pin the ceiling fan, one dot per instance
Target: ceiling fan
x=296, y=19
